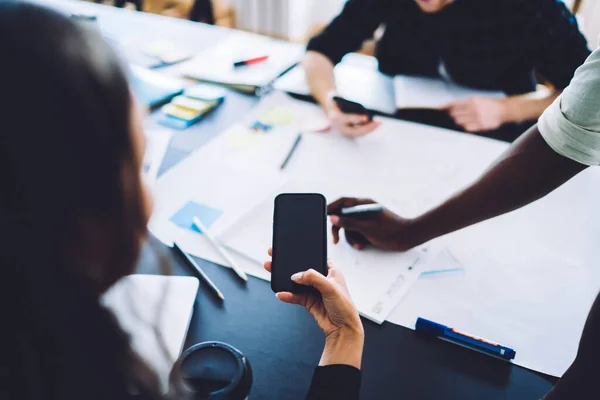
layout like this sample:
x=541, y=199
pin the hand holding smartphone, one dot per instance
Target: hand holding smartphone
x=351, y=107
x=299, y=239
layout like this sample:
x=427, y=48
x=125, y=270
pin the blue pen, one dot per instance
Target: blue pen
x=464, y=339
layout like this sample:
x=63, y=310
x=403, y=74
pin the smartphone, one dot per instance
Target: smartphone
x=299, y=239
x=351, y=107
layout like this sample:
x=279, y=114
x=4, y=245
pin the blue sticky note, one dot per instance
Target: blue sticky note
x=206, y=214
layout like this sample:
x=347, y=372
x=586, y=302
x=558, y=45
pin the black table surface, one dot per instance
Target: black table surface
x=284, y=344
x=281, y=341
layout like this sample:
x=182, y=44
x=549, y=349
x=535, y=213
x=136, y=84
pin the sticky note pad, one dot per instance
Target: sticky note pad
x=183, y=113
x=200, y=106
x=183, y=217
x=175, y=123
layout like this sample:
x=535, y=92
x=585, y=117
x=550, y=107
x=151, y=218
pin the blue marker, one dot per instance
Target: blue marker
x=464, y=339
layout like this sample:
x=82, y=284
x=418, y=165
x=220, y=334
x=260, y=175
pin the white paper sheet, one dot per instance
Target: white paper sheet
x=205, y=179
x=377, y=279
x=143, y=302
x=530, y=278
x=356, y=78
x=423, y=92
x=216, y=63
x=157, y=144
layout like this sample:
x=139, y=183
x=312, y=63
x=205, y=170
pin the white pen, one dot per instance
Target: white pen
x=362, y=209
x=198, y=224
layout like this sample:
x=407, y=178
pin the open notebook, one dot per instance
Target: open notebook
x=358, y=79
x=156, y=312
x=215, y=64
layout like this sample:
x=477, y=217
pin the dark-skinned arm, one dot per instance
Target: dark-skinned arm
x=527, y=171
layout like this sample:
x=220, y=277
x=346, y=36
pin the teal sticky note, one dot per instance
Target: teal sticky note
x=206, y=214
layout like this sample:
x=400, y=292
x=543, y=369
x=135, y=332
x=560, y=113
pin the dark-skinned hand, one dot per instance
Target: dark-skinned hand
x=382, y=229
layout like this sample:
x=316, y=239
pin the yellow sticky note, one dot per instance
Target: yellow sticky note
x=183, y=113
x=200, y=106
x=277, y=116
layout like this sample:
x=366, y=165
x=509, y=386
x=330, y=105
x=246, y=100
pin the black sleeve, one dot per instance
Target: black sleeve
x=356, y=23
x=335, y=382
x=562, y=47
x=582, y=378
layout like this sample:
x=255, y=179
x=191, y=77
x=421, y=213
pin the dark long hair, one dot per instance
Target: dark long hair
x=67, y=163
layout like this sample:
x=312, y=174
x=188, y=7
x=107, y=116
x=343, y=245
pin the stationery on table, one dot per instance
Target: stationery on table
x=464, y=339
x=199, y=271
x=243, y=61
x=196, y=221
x=214, y=191
x=151, y=88
x=292, y=150
x=361, y=209
x=185, y=110
x=250, y=61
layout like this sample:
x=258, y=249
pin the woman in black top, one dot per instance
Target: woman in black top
x=484, y=44
x=73, y=215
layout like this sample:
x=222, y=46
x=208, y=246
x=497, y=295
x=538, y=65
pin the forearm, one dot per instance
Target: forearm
x=527, y=171
x=528, y=106
x=319, y=76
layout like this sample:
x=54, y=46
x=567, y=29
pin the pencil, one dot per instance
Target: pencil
x=292, y=150
x=192, y=264
x=196, y=221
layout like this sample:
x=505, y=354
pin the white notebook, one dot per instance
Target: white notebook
x=215, y=64
x=143, y=302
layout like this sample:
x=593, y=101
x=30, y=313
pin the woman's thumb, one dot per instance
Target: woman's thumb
x=316, y=280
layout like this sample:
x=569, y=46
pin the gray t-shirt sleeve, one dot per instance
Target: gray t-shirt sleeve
x=571, y=125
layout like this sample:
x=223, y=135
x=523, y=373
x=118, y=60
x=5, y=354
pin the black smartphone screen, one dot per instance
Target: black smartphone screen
x=299, y=239
x=351, y=107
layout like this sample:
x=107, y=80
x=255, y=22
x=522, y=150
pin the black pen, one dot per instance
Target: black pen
x=292, y=150
x=192, y=264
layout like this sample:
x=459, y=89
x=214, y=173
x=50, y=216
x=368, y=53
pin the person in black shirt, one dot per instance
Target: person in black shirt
x=484, y=44
x=73, y=216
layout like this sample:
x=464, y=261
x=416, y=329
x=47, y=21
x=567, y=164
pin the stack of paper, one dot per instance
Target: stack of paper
x=216, y=63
